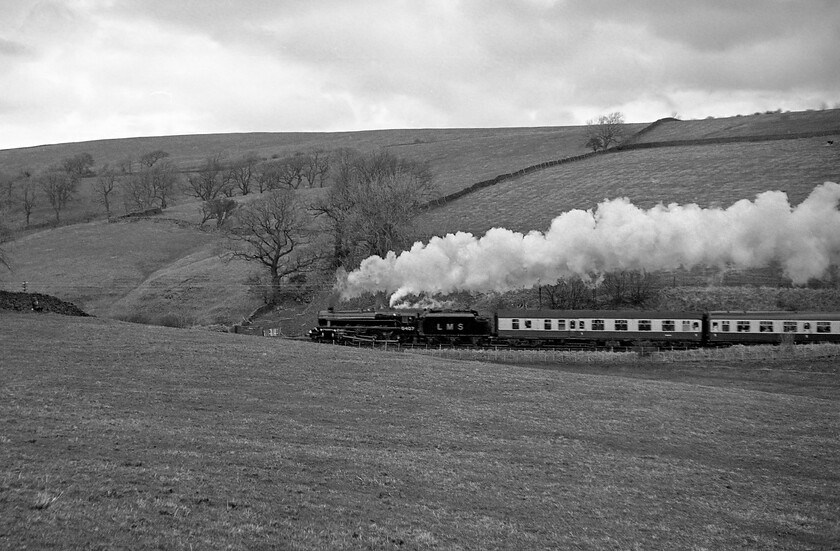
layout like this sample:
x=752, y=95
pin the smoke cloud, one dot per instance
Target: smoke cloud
x=804, y=240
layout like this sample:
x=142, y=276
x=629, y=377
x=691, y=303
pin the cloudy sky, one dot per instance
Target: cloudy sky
x=73, y=70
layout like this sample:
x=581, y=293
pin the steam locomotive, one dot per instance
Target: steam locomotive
x=594, y=328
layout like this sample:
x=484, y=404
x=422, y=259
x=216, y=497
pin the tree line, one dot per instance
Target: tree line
x=366, y=208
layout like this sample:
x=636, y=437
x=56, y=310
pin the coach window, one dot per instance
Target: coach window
x=669, y=325
x=743, y=326
x=547, y=325
x=561, y=325
x=789, y=327
x=765, y=326
x=686, y=326
x=527, y=324
x=621, y=325
x=823, y=327
x=571, y=324
x=644, y=325
x=724, y=326
x=514, y=324
x=597, y=325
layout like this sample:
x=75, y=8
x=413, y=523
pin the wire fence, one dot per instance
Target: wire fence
x=803, y=352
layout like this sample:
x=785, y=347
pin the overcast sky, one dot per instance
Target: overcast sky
x=73, y=70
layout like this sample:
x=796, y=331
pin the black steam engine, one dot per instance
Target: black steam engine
x=402, y=326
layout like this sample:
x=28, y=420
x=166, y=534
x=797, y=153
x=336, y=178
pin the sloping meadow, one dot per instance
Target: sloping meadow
x=119, y=435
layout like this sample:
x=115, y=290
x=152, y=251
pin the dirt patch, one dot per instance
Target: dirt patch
x=39, y=303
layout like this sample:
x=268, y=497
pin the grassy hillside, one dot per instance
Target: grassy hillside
x=709, y=175
x=170, y=269
x=458, y=157
x=122, y=269
x=125, y=436
x=757, y=126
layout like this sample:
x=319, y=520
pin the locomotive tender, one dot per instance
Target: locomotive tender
x=575, y=327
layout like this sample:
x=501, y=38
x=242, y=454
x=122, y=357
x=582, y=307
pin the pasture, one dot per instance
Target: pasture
x=115, y=435
x=155, y=268
x=759, y=126
x=709, y=175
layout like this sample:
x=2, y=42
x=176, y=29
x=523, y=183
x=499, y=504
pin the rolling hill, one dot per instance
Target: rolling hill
x=168, y=267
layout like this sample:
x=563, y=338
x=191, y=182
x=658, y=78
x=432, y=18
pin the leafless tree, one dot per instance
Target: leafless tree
x=274, y=232
x=568, y=294
x=106, y=183
x=78, y=166
x=242, y=172
x=4, y=257
x=28, y=193
x=268, y=175
x=151, y=158
x=630, y=287
x=291, y=170
x=59, y=188
x=606, y=130
x=221, y=208
x=372, y=202
x=151, y=185
x=316, y=167
x=7, y=186
x=126, y=166
x=210, y=181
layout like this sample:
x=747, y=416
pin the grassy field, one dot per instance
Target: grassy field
x=458, y=157
x=154, y=268
x=709, y=175
x=115, y=435
x=766, y=124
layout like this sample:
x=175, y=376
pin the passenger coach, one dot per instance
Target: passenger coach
x=599, y=326
x=772, y=327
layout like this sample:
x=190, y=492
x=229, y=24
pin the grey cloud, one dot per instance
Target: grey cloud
x=13, y=49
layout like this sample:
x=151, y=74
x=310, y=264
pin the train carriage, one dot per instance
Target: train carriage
x=600, y=327
x=726, y=328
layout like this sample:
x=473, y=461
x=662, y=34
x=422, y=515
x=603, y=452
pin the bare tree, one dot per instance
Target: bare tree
x=274, y=231
x=106, y=184
x=571, y=294
x=126, y=166
x=4, y=257
x=59, y=188
x=290, y=171
x=7, y=186
x=316, y=167
x=630, y=287
x=151, y=158
x=605, y=131
x=372, y=202
x=28, y=193
x=151, y=185
x=268, y=175
x=243, y=172
x=78, y=166
x=594, y=143
x=210, y=181
x=221, y=208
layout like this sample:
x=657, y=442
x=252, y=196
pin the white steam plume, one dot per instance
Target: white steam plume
x=804, y=240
